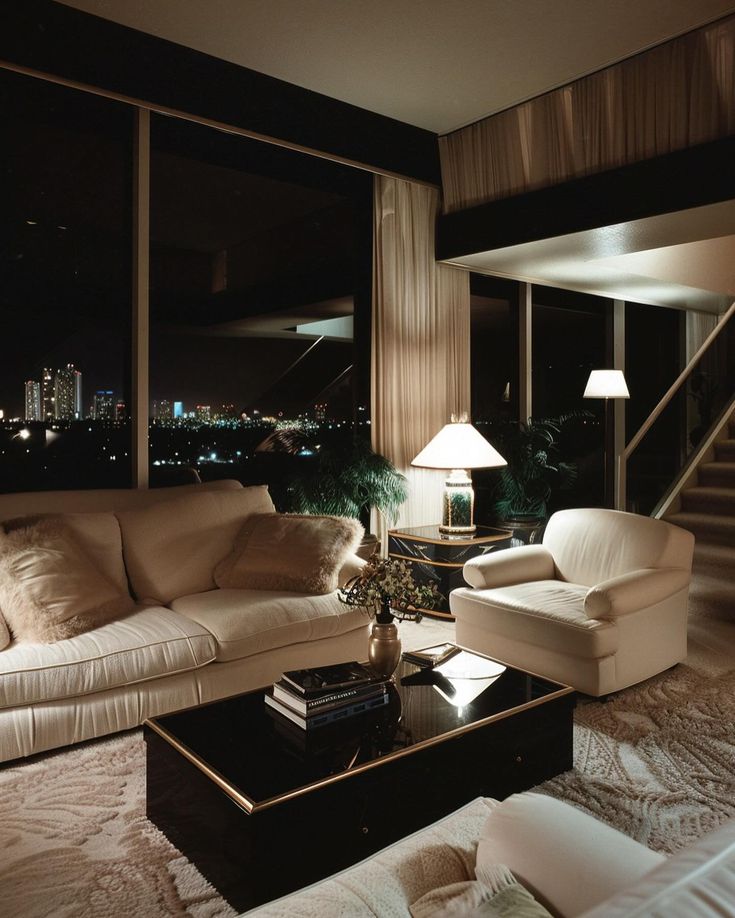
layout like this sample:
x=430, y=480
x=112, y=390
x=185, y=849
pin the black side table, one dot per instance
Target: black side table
x=435, y=556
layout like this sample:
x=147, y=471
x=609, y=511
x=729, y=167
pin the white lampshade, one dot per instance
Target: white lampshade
x=606, y=384
x=458, y=446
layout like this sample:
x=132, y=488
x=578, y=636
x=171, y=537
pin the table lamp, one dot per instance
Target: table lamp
x=458, y=447
x=606, y=384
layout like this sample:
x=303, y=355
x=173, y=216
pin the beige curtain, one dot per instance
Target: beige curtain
x=699, y=325
x=674, y=96
x=420, y=341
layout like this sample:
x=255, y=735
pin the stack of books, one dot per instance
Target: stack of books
x=315, y=697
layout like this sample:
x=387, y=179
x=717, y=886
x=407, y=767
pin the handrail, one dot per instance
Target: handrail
x=621, y=463
x=648, y=423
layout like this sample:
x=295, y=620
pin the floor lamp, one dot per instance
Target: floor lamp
x=606, y=384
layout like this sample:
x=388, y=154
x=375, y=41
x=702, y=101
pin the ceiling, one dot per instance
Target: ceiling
x=683, y=260
x=441, y=64
x=436, y=64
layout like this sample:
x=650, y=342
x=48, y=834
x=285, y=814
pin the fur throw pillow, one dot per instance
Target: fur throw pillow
x=300, y=554
x=49, y=588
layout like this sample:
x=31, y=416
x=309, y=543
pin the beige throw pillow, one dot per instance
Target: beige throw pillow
x=97, y=534
x=4, y=633
x=300, y=554
x=50, y=590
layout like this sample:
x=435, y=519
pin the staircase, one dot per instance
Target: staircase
x=708, y=510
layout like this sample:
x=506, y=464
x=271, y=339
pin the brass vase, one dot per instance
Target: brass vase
x=384, y=648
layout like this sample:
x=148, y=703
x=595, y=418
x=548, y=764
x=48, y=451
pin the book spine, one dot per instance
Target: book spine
x=325, y=717
x=334, y=699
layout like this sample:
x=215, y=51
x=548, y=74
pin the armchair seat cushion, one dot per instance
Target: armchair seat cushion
x=546, y=613
x=246, y=622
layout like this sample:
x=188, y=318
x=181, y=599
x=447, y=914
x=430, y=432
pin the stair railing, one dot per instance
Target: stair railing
x=623, y=459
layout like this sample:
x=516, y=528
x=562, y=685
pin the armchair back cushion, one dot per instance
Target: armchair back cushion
x=592, y=545
x=172, y=548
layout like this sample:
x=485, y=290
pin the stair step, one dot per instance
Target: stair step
x=716, y=474
x=715, y=500
x=725, y=451
x=709, y=527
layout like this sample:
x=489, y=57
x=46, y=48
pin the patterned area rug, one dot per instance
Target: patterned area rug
x=75, y=841
x=656, y=761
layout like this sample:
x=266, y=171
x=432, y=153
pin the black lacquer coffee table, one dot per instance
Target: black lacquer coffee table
x=263, y=807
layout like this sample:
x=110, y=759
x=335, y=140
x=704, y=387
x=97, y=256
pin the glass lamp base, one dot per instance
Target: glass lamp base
x=458, y=504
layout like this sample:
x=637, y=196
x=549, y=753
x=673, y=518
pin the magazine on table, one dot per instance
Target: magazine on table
x=323, y=679
x=430, y=656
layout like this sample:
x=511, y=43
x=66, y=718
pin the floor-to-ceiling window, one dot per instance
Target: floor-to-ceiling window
x=494, y=373
x=570, y=335
x=65, y=256
x=654, y=357
x=260, y=266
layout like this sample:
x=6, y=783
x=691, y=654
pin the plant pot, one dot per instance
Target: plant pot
x=527, y=529
x=384, y=649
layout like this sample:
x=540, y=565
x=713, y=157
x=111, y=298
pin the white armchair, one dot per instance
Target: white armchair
x=600, y=605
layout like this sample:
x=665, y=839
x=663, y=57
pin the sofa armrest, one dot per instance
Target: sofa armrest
x=634, y=590
x=514, y=565
x=567, y=859
x=351, y=568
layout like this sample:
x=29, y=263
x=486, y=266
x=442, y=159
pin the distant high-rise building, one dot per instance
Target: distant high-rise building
x=48, y=410
x=320, y=411
x=121, y=410
x=104, y=405
x=178, y=409
x=203, y=413
x=33, y=400
x=68, y=393
x=162, y=409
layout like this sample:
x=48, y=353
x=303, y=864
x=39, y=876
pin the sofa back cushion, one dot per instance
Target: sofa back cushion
x=592, y=545
x=172, y=548
x=50, y=589
x=100, y=500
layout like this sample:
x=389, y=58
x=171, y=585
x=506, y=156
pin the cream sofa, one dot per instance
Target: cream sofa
x=574, y=865
x=600, y=605
x=185, y=642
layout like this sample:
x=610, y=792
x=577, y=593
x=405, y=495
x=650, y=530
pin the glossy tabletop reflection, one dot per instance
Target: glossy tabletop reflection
x=259, y=757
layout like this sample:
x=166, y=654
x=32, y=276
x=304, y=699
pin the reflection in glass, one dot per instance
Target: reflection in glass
x=257, y=279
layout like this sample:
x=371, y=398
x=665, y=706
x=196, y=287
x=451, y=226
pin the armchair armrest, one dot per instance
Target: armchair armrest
x=514, y=565
x=634, y=590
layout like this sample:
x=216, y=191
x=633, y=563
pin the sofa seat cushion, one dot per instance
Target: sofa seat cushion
x=546, y=613
x=149, y=643
x=246, y=622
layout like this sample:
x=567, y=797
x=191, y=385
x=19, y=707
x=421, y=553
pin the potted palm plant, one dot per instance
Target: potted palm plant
x=337, y=475
x=533, y=473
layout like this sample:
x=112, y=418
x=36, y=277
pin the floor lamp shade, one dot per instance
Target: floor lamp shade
x=606, y=384
x=458, y=447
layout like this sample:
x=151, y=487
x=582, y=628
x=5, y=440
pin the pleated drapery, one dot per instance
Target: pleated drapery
x=420, y=341
x=674, y=96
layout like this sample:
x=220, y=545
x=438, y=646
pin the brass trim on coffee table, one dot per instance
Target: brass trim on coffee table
x=252, y=807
